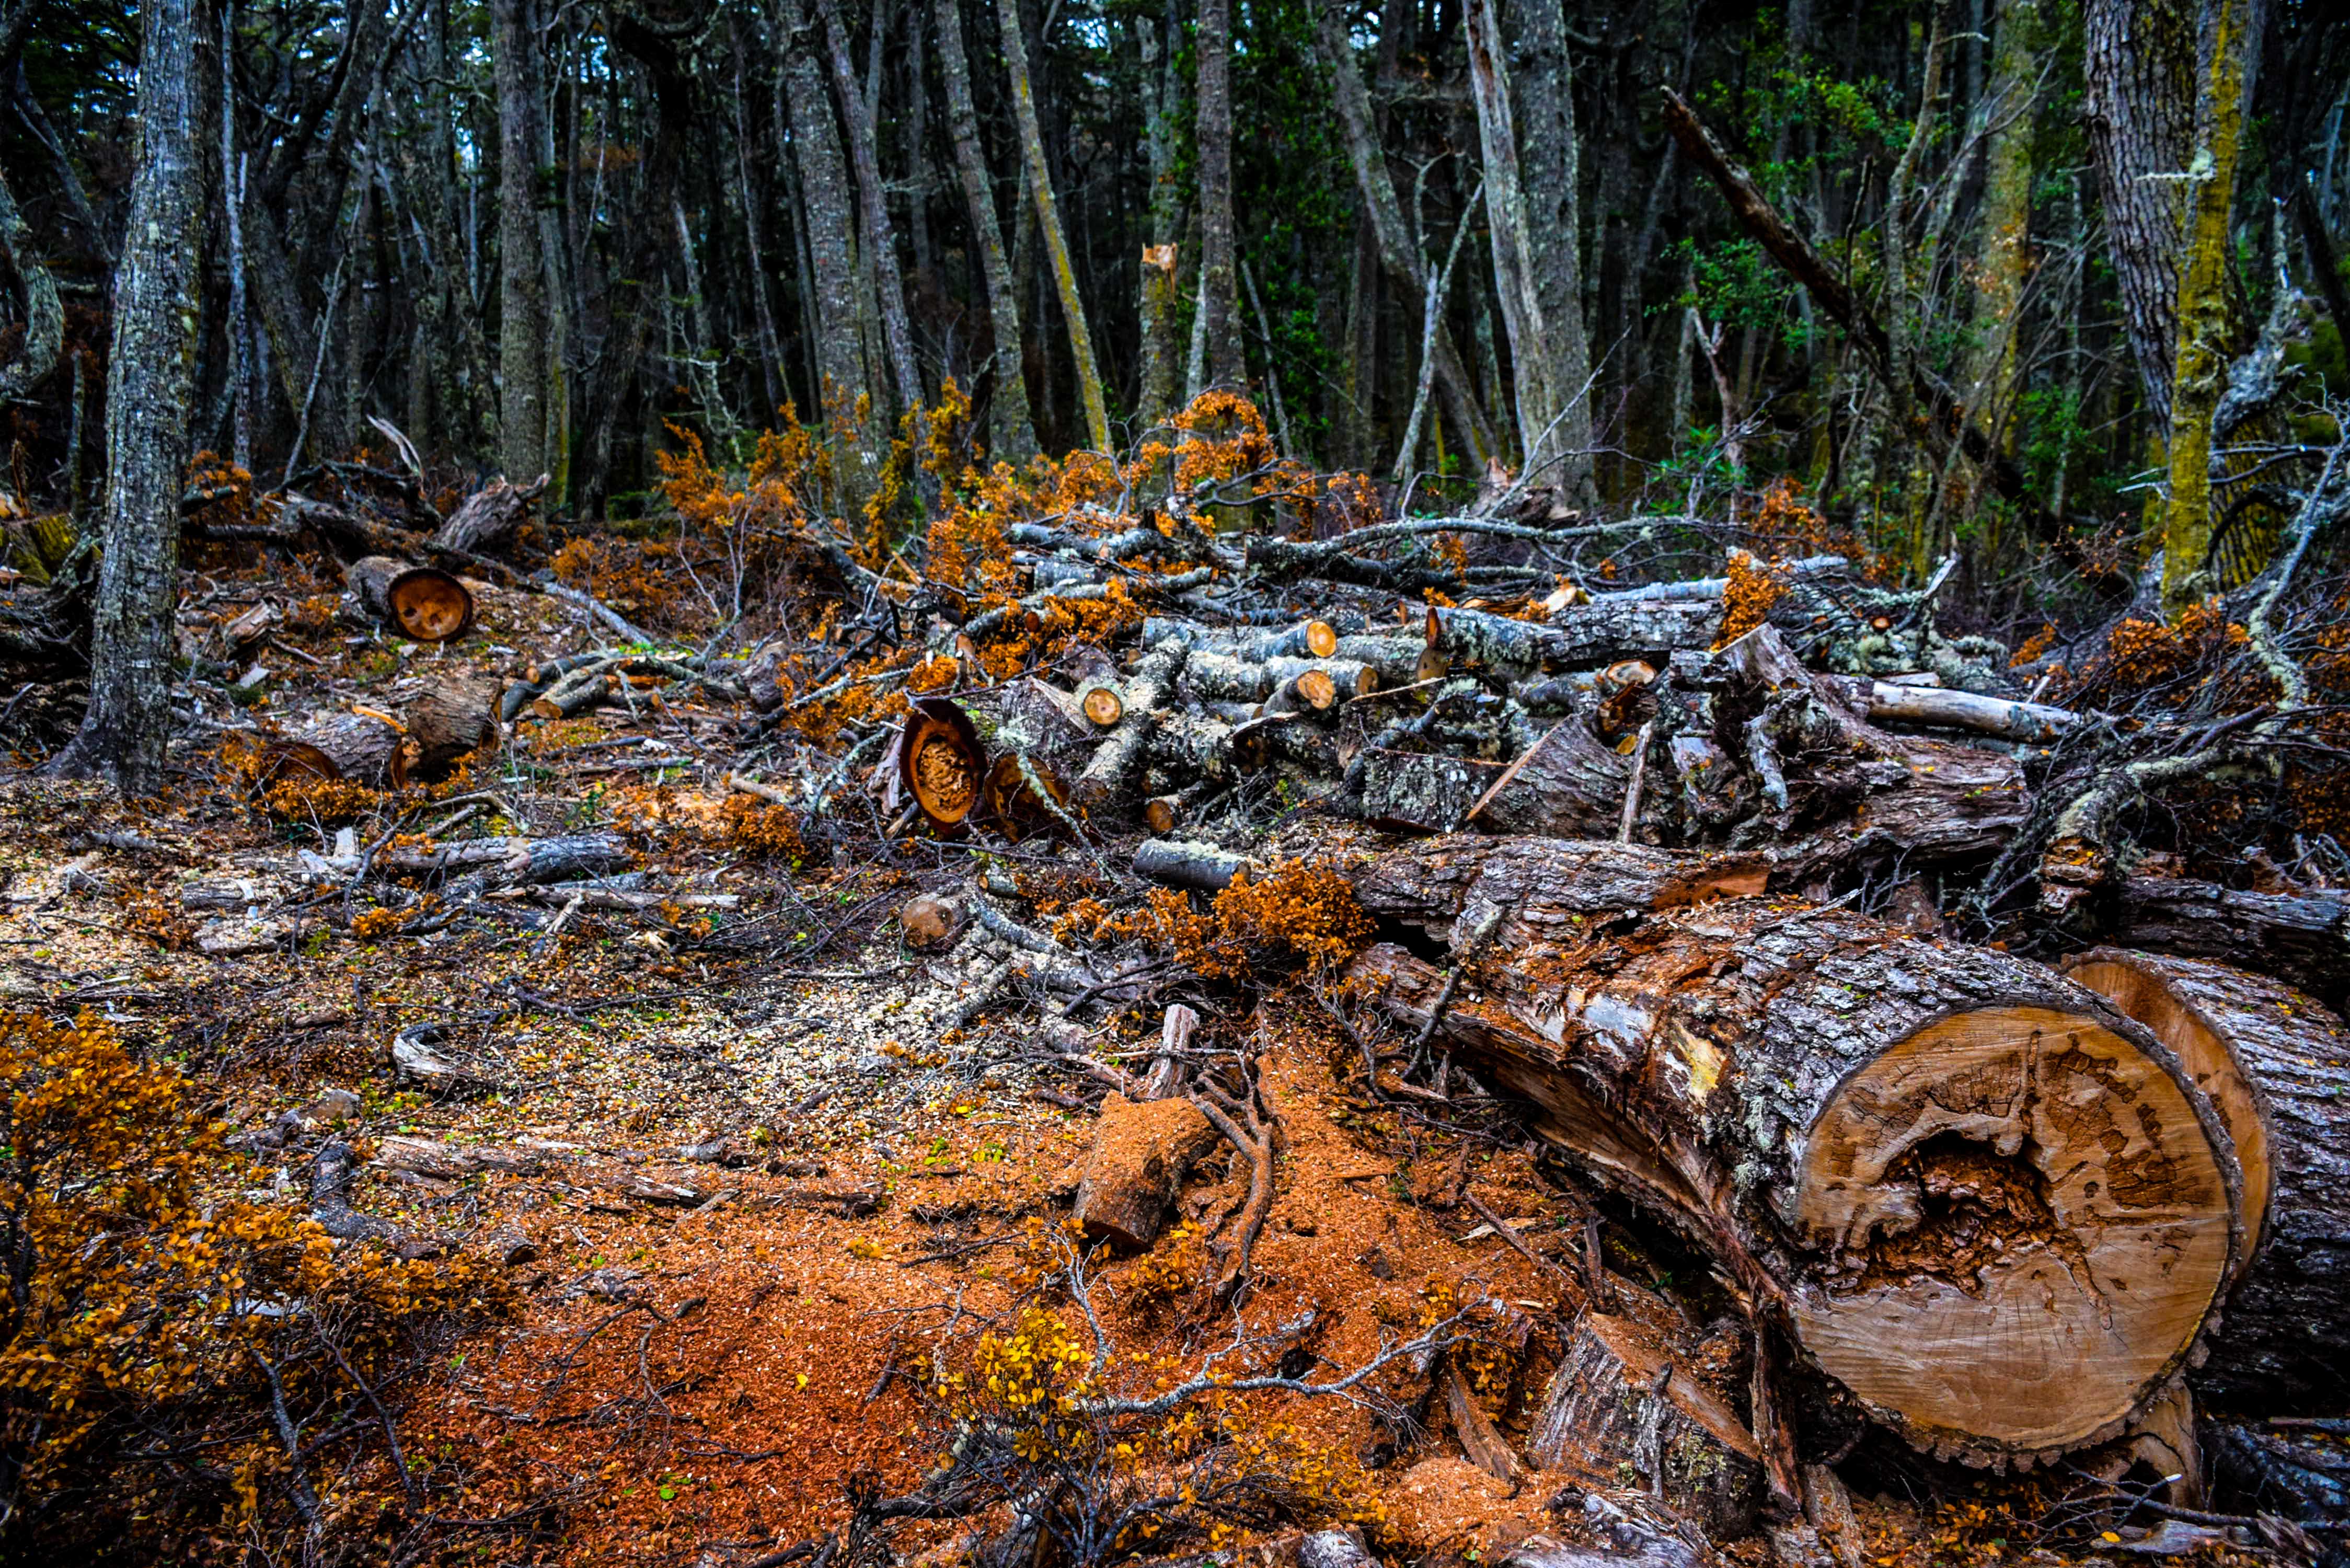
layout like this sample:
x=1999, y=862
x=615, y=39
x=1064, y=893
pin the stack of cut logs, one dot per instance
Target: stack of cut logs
x=2007, y=1210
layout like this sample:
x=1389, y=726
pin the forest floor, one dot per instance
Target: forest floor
x=754, y=1179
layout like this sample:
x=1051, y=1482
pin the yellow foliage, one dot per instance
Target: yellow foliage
x=1299, y=915
x=1746, y=602
x=149, y=1291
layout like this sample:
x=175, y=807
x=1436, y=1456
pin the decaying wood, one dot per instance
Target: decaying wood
x=360, y=748
x=2276, y=1065
x=1142, y=1153
x=1945, y=1127
x=486, y=517
x=1566, y=786
x=1623, y=1401
x=454, y=716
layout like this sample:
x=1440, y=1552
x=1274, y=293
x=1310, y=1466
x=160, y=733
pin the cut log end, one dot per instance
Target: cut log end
x=1103, y=706
x=1317, y=689
x=941, y=761
x=429, y=605
x=2027, y=1224
x=1321, y=638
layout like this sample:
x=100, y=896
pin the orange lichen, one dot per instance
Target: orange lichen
x=1746, y=602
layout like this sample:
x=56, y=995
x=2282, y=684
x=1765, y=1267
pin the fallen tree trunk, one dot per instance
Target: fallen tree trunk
x=487, y=515
x=457, y=715
x=1141, y=1152
x=2302, y=938
x=1974, y=1194
x=423, y=602
x=2276, y=1065
x=357, y=748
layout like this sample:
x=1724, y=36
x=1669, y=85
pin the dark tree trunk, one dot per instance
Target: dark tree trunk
x=523, y=325
x=1219, y=254
x=1012, y=432
x=150, y=382
x=2139, y=68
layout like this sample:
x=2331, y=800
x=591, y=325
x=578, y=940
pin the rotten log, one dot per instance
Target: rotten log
x=940, y=762
x=486, y=517
x=1142, y=1153
x=1978, y=1197
x=424, y=602
x=2277, y=1063
x=1622, y=1402
x=454, y=716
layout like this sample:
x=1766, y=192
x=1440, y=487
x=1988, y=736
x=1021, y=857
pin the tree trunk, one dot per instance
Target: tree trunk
x=880, y=242
x=1219, y=253
x=2277, y=1063
x=357, y=748
x=523, y=324
x=1012, y=432
x=831, y=233
x=2008, y=116
x=1387, y=227
x=2199, y=374
x=149, y=383
x=2302, y=938
x=1049, y=220
x=1553, y=238
x=44, y=318
x=1160, y=290
x=1983, y=1202
x=455, y=715
x=2138, y=68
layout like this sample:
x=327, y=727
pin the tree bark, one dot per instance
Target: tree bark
x=831, y=231
x=2138, y=68
x=2199, y=374
x=1975, y=1195
x=1161, y=94
x=1013, y=433
x=1551, y=193
x=1219, y=253
x=1048, y=220
x=523, y=325
x=149, y=384
x=880, y=242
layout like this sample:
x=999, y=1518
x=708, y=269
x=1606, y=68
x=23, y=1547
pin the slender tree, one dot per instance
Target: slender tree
x=149, y=383
x=1049, y=220
x=1219, y=285
x=1013, y=433
x=523, y=324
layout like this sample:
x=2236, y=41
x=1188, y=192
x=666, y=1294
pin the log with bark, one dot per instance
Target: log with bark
x=2276, y=1065
x=486, y=517
x=1973, y=1193
x=455, y=716
x=360, y=747
x=423, y=602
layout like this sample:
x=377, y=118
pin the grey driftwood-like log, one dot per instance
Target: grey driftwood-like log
x=360, y=748
x=2277, y=1063
x=1141, y=1152
x=420, y=602
x=1306, y=639
x=572, y=857
x=1579, y=635
x=484, y=518
x=1621, y=1402
x=1106, y=786
x=1207, y=867
x=1975, y=1194
x=1223, y=677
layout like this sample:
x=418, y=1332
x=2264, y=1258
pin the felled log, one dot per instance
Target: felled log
x=1622, y=1403
x=1306, y=639
x=1976, y=1195
x=1142, y=1153
x=1888, y=702
x=360, y=748
x=454, y=716
x=487, y=516
x=571, y=857
x=1423, y=792
x=938, y=760
x=251, y=627
x=1579, y=635
x=424, y=602
x=2277, y=1063
x=2302, y=938
x=1105, y=785
x=1566, y=786
x=1179, y=864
